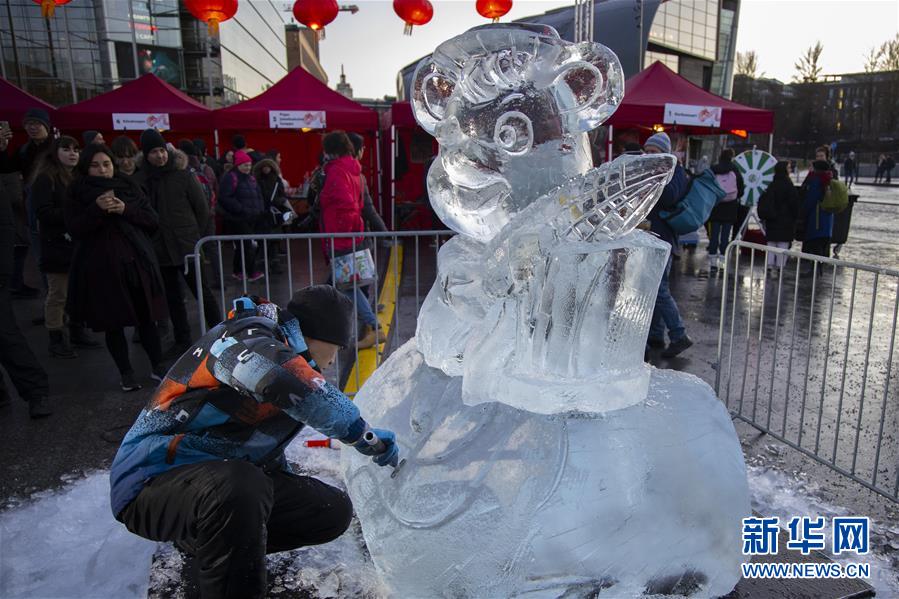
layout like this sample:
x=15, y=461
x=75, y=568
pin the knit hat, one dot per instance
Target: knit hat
x=241, y=157
x=633, y=148
x=88, y=136
x=238, y=141
x=188, y=147
x=324, y=314
x=661, y=141
x=40, y=115
x=151, y=139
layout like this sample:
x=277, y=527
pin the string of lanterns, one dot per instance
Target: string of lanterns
x=413, y=12
x=49, y=6
x=212, y=12
x=316, y=14
x=493, y=9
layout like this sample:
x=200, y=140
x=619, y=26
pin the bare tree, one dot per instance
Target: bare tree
x=808, y=70
x=872, y=60
x=883, y=58
x=748, y=64
x=889, y=50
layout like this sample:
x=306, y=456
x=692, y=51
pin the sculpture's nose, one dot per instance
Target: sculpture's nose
x=448, y=132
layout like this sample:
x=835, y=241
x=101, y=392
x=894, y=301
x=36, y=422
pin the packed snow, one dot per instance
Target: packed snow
x=64, y=544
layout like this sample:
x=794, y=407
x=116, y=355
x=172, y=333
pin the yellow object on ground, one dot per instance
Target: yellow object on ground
x=367, y=359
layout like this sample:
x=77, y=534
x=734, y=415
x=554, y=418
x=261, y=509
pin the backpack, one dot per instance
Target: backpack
x=206, y=185
x=691, y=212
x=728, y=182
x=766, y=208
x=836, y=197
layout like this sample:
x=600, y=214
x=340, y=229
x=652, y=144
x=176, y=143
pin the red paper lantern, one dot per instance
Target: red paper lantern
x=413, y=12
x=493, y=9
x=49, y=6
x=212, y=12
x=315, y=14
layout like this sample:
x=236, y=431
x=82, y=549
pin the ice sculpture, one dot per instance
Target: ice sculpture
x=544, y=458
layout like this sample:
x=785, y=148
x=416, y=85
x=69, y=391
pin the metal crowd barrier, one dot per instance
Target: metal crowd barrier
x=301, y=259
x=805, y=355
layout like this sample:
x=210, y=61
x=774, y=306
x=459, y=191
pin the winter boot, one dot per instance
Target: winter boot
x=59, y=345
x=80, y=337
x=371, y=338
x=38, y=408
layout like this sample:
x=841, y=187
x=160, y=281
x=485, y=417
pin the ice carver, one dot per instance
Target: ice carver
x=203, y=465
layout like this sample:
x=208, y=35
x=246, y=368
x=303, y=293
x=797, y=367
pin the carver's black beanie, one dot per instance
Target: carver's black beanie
x=324, y=314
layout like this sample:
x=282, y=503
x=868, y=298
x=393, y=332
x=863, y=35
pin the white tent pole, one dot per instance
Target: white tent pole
x=609, y=144
x=393, y=148
x=378, y=168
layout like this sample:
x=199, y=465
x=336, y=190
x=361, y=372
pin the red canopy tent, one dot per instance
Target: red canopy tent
x=648, y=92
x=299, y=93
x=15, y=102
x=147, y=95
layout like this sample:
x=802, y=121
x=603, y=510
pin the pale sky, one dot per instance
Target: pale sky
x=781, y=30
x=372, y=47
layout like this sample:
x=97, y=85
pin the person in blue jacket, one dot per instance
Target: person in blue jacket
x=204, y=467
x=816, y=224
x=666, y=314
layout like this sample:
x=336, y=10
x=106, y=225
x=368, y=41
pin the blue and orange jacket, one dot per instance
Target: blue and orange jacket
x=241, y=393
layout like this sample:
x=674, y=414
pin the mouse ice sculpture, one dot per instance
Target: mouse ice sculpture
x=544, y=458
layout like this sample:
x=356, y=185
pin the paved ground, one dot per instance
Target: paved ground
x=92, y=414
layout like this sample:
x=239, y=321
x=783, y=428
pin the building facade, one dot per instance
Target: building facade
x=855, y=111
x=92, y=46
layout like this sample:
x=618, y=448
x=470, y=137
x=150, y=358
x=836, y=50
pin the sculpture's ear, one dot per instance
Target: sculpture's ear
x=431, y=91
x=589, y=85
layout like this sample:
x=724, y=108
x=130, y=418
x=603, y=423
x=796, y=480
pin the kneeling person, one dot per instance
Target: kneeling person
x=204, y=463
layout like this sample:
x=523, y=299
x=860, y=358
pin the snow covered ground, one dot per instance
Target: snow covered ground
x=66, y=544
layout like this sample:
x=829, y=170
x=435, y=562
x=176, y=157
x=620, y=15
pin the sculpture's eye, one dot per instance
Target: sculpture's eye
x=578, y=86
x=514, y=133
x=436, y=90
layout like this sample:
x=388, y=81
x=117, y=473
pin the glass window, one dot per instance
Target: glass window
x=685, y=25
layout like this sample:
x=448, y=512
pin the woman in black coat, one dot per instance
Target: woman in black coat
x=779, y=209
x=50, y=182
x=268, y=176
x=114, y=280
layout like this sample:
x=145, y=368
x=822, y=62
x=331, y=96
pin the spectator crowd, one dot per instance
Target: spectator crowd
x=109, y=224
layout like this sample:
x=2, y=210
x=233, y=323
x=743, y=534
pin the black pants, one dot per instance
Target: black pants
x=149, y=340
x=171, y=276
x=232, y=513
x=146, y=329
x=818, y=247
x=16, y=357
x=20, y=253
x=244, y=263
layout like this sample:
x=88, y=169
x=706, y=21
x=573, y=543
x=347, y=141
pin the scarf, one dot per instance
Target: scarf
x=87, y=189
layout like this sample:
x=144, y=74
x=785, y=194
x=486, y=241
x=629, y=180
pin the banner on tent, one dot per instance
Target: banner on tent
x=688, y=114
x=138, y=121
x=296, y=119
